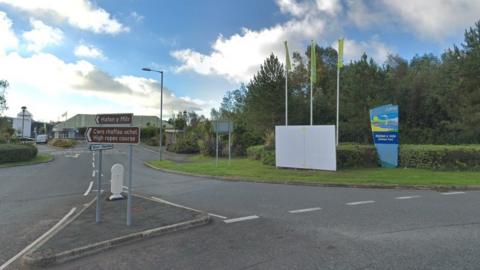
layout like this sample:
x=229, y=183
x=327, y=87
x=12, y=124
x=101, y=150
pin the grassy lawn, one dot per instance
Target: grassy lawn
x=243, y=168
x=40, y=158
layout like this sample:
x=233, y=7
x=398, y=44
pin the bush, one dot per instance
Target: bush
x=356, y=156
x=185, y=145
x=260, y=152
x=154, y=141
x=17, y=152
x=64, y=143
x=440, y=157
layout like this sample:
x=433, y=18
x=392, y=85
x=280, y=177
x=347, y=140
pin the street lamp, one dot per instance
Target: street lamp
x=23, y=118
x=161, y=104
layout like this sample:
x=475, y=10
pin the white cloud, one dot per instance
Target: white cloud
x=41, y=36
x=78, y=13
x=88, y=51
x=137, y=17
x=434, y=19
x=47, y=78
x=239, y=56
x=8, y=38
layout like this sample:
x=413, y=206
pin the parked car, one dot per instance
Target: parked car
x=42, y=138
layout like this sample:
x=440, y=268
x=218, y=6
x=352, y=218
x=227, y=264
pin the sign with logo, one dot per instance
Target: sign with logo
x=113, y=135
x=384, y=123
x=114, y=119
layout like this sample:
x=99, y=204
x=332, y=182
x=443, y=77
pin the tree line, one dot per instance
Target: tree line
x=438, y=97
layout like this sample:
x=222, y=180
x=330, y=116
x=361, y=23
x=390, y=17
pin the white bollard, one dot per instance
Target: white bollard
x=116, y=182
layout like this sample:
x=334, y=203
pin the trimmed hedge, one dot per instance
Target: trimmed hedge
x=17, y=152
x=441, y=157
x=64, y=143
x=435, y=157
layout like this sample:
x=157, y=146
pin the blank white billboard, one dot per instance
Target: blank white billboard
x=306, y=147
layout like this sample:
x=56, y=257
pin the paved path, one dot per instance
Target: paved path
x=257, y=226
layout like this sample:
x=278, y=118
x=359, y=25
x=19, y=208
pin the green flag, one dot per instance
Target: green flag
x=340, y=53
x=288, y=66
x=313, y=63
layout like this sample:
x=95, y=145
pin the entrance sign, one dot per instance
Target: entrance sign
x=113, y=135
x=384, y=123
x=114, y=119
x=306, y=147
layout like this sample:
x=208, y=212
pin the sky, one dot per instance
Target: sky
x=85, y=56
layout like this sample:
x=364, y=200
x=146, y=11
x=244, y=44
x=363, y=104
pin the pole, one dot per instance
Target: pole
x=229, y=144
x=161, y=110
x=129, y=199
x=286, y=96
x=216, y=142
x=311, y=102
x=23, y=120
x=99, y=183
x=338, y=100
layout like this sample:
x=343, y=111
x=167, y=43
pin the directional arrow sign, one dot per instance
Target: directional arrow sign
x=113, y=135
x=114, y=119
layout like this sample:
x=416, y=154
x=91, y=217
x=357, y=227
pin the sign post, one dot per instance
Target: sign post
x=223, y=127
x=102, y=138
x=384, y=122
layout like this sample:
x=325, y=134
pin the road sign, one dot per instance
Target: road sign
x=96, y=147
x=222, y=126
x=113, y=135
x=114, y=119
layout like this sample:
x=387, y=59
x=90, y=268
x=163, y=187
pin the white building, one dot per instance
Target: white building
x=23, y=119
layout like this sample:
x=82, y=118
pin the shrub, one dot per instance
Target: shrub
x=268, y=157
x=64, y=143
x=154, y=141
x=17, y=152
x=440, y=157
x=255, y=152
x=185, y=145
x=356, y=156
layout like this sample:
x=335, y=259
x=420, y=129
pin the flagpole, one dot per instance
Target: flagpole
x=338, y=99
x=286, y=96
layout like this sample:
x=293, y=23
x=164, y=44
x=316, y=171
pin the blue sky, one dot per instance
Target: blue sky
x=84, y=56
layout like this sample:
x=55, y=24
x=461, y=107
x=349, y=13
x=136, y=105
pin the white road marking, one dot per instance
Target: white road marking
x=26, y=249
x=184, y=207
x=125, y=187
x=73, y=156
x=93, y=173
x=93, y=164
x=88, y=189
x=304, y=210
x=407, y=197
x=240, y=219
x=360, y=202
x=453, y=193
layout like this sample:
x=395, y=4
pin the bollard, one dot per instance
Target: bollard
x=116, y=182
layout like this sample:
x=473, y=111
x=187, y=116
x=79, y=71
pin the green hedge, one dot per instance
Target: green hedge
x=17, y=152
x=435, y=157
x=441, y=157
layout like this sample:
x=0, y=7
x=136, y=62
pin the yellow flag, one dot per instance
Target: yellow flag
x=288, y=66
x=340, y=53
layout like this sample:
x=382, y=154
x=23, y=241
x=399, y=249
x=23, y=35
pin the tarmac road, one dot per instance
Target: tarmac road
x=257, y=226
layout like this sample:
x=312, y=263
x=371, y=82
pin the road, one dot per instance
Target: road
x=256, y=226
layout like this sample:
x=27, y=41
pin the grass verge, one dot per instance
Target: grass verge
x=254, y=170
x=40, y=158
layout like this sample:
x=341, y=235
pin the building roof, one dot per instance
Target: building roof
x=88, y=120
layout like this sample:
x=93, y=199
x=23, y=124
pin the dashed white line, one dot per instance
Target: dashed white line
x=407, y=197
x=88, y=189
x=360, y=202
x=93, y=164
x=233, y=220
x=304, y=210
x=184, y=207
x=26, y=249
x=93, y=173
x=125, y=187
x=453, y=193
